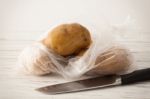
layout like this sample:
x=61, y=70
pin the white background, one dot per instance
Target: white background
x=36, y=16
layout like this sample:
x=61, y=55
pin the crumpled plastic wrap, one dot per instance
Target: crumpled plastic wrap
x=104, y=56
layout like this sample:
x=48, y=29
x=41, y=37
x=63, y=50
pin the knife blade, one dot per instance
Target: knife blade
x=97, y=82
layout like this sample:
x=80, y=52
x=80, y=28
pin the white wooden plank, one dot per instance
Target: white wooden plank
x=22, y=86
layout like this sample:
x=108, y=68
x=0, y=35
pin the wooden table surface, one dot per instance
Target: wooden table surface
x=17, y=86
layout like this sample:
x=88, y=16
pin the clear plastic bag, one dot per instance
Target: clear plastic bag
x=39, y=60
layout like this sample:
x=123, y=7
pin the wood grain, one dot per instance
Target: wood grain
x=17, y=86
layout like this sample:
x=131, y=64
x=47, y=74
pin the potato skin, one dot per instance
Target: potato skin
x=68, y=39
x=113, y=61
x=34, y=60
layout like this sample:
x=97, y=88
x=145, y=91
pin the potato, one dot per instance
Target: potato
x=112, y=61
x=68, y=39
x=34, y=60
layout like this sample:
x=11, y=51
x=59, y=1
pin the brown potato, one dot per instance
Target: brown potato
x=112, y=61
x=34, y=60
x=68, y=39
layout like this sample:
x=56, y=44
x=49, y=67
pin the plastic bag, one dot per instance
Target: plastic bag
x=39, y=60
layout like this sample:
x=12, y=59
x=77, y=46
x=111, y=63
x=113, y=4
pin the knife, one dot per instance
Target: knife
x=97, y=82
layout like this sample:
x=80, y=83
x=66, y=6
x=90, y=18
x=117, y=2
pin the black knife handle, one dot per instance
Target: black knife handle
x=136, y=76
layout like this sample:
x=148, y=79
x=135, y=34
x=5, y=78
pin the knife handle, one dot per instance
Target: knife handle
x=136, y=76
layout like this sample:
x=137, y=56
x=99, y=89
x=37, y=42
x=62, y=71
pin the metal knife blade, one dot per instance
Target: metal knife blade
x=98, y=82
x=81, y=85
